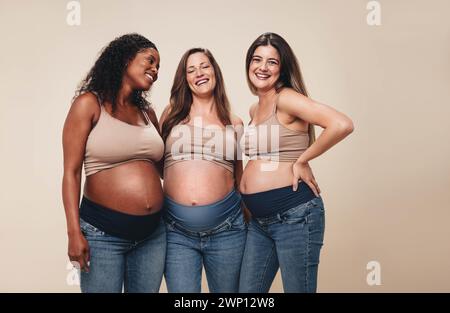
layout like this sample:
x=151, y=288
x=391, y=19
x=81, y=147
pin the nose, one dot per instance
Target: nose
x=264, y=66
x=199, y=72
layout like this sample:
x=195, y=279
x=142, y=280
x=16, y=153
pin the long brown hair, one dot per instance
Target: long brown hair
x=181, y=95
x=290, y=74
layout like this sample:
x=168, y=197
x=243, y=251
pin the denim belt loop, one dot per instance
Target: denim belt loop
x=279, y=217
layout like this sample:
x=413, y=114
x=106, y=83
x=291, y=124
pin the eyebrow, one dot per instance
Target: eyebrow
x=152, y=58
x=258, y=56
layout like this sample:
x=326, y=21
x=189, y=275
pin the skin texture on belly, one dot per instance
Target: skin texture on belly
x=132, y=188
x=262, y=175
x=197, y=182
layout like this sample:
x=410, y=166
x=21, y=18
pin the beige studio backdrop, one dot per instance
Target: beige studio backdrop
x=385, y=188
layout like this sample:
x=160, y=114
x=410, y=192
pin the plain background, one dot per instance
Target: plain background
x=386, y=187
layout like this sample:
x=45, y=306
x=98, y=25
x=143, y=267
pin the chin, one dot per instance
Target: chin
x=260, y=86
x=205, y=93
x=145, y=87
x=202, y=94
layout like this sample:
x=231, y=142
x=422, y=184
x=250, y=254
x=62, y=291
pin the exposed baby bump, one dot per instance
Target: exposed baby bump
x=263, y=175
x=197, y=184
x=132, y=186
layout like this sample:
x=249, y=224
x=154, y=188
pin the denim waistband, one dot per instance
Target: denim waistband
x=281, y=216
x=203, y=216
x=272, y=202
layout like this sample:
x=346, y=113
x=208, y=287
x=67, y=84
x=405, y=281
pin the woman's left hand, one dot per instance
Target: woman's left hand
x=302, y=171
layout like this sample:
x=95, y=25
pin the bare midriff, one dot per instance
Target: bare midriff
x=132, y=188
x=262, y=175
x=197, y=182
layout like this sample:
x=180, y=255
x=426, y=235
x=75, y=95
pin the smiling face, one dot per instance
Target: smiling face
x=200, y=74
x=264, y=69
x=142, y=71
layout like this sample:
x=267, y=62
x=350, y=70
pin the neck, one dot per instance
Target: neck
x=203, y=105
x=124, y=96
x=267, y=98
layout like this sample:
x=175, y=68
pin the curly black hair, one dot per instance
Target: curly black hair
x=105, y=77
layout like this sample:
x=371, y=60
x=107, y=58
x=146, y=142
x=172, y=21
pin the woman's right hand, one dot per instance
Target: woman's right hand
x=302, y=171
x=83, y=115
x=79, y=251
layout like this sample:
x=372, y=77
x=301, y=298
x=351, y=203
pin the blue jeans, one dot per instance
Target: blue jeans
x=290, y=240
x=137, y=266
x=219, y=250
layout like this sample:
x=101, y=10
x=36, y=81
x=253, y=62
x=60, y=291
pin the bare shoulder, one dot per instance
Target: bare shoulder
x=252, y=109
x=300, y=106
x=152, y=116
x=151, y=113
x=289, y=95
x=290, y=101
x=164, y=114
x=86, y=106
x=236, y=120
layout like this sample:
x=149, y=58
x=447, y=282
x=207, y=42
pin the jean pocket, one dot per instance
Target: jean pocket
x=316, y=204
x=170, y=225
x=316, y=215
x=295, y=215
x=88, y=229
x=238, y=223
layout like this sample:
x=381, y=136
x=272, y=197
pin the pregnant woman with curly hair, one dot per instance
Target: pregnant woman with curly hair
x=116, y=235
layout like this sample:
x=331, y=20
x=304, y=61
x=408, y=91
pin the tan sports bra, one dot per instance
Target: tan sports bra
x=188, y=142
x=113, y=142
x=270, y=140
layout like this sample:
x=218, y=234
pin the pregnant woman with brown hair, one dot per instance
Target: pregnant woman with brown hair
x=278, y=187
x=205, y=222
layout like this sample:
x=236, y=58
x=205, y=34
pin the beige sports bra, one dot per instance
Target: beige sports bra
x=113, y=142
x=188, y=142
x=270, y=140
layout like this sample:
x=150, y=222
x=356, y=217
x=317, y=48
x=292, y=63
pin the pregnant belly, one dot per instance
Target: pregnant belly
x=197, y=182
x=132, y=188
x=261, y=176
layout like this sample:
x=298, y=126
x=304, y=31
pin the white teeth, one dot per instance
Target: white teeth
x=200, y=82
x=262, y=76
x=149, y=76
